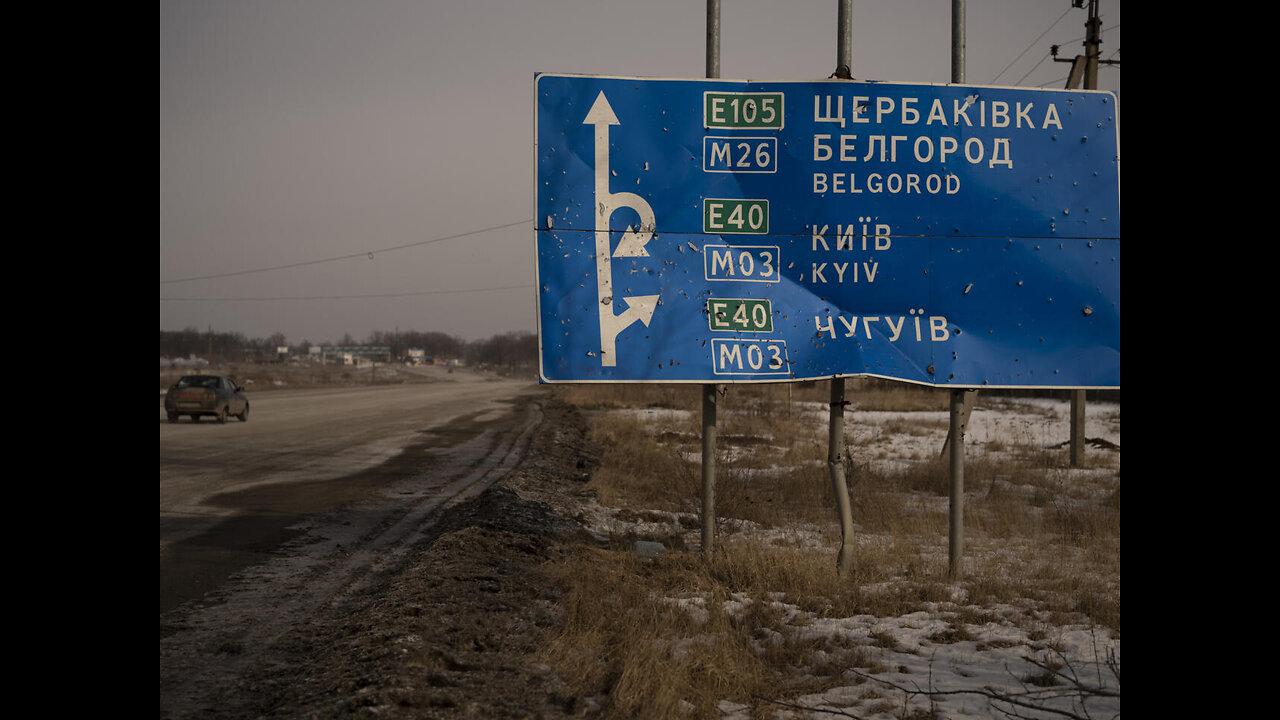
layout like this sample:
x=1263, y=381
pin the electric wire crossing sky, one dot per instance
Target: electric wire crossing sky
x=740, y=231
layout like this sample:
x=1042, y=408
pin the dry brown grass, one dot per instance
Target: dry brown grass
x=672, y=636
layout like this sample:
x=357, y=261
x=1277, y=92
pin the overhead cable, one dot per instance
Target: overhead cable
x=367, y=253
x=1033, y=44
x=344, y=297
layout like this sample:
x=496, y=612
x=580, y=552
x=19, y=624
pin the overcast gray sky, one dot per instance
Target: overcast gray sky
x=319, y=155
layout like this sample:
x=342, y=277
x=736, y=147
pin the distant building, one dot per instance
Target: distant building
x=189, y=361
x=353, y=354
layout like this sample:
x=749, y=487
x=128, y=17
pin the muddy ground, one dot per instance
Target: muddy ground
x=448, y=630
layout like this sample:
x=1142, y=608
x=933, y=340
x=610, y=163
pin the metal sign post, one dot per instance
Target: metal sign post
x=835, y=444
x=959, y=407
x=955, y=536
x=708, y=469
x=709, y=390
x=835, y=467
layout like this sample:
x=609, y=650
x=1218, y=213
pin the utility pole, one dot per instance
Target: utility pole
x=1093, y=38
x=1083, y=68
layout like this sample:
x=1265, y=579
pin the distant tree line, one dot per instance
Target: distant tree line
x=511, y=350
x=205, y=344
x=435, y=344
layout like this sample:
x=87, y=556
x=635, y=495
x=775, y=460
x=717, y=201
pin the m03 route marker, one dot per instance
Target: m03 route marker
x=749, y=358
x=739, y=231
x=741, y=263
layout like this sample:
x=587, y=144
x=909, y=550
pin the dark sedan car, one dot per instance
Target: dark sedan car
x=196, y=395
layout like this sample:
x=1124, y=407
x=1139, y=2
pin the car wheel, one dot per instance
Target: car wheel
x=173, y=417
x=244, y=414
x=195, y=417
x=222, y=414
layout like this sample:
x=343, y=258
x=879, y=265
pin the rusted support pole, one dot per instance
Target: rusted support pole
x=970, y=399
x=844, y=34
x=957, y=41
x=1093, y=31
x=709, y=390
x=713, y=38
x=1077, y=428
x=955, y=543
x=959, y=408
x=835, y=465
x=708, y=469
x=835, y=438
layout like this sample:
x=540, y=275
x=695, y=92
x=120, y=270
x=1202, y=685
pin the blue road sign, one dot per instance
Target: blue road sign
x=715, y=231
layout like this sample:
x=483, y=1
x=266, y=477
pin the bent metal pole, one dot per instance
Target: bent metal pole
x=835, y=466
x=835, y=438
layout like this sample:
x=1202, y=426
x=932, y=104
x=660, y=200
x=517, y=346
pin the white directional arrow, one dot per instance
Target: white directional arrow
x=633, y=241
x=632, y=244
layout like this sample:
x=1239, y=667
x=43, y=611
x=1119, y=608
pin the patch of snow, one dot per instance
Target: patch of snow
x=931, y=659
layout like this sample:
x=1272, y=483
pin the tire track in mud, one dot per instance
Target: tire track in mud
x=206, y=645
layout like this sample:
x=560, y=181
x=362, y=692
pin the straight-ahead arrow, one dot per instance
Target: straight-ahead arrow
x=639, y=308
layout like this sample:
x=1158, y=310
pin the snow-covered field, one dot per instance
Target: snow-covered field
x=954, y=657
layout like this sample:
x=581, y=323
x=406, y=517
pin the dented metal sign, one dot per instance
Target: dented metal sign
x=739, y=231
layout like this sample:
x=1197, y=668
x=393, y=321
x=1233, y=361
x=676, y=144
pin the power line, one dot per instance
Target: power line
x=1082, y=37
x=1050, y=54
x=1037, y=65
x=1033, y=44
x=367, y=253
x=344, y=297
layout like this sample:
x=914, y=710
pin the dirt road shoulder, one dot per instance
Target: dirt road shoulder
x=448, y=630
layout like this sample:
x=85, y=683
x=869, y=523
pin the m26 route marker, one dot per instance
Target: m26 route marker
x=713, y=231
x=639, y=308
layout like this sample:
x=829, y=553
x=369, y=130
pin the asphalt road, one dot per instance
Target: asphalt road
x=229, y=493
